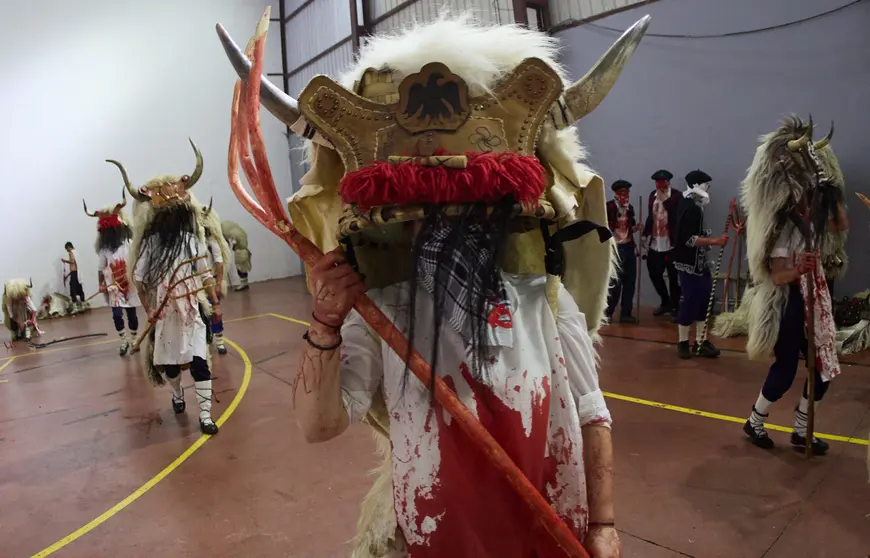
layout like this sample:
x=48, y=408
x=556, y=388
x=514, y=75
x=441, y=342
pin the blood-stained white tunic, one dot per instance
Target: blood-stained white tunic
x=179, y=334
x=113, y=270
x=540, y=391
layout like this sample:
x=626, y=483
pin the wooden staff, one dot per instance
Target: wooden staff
x=811, y=344
x=172, y=285
x=715, y=273
x=638, y=255
x=245, y=131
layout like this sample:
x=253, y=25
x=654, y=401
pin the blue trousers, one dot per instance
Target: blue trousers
x=696, y=291
x=118, y=318
x=622, y=288
x=791, y=341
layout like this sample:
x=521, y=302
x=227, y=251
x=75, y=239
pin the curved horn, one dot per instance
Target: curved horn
x=197, y=172
x=138, y=196
x=281, y=105
x=801, y=142
x=586, y=94
x=121, y=205
x=825, y=140
x=208, y=209
x=31, y=282
x=88, y=213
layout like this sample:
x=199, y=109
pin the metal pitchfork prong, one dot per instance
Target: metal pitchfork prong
x=267, y=209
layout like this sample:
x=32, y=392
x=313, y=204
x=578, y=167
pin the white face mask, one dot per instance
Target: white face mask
x=698, y=192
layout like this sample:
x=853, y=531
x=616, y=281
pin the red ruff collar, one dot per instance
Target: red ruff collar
x=108, y=222
x=488, y=178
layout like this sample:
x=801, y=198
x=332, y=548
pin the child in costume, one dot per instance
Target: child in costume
x=462, y=212
x=167, y=264
x=691, y=261
x=113, y=248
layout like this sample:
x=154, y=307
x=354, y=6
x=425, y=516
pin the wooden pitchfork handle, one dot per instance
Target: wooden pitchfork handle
x=712, y=298
x=639, y=257
x=245, y=129
x=172, y=284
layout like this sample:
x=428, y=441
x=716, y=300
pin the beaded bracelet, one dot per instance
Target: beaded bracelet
x=321, y=347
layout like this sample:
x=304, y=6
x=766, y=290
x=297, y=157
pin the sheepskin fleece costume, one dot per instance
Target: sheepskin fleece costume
x=235, y=233
x=481, y=55
x=14, y=288
x=143, y=214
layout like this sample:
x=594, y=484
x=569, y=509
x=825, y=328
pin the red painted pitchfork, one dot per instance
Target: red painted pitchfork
x=245, y=131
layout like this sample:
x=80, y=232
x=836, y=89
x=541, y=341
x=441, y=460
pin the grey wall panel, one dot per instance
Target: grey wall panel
x=316, y=28
x=683, y=104
x=495, y=11
x=331, y=65
x=564, y=11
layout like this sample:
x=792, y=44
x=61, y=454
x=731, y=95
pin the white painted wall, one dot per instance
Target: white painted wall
x=126, y=80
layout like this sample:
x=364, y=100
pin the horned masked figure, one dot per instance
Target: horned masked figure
x=448, y=171
x=167, y=265
x=218, y=253
x=19, y=311
x=834, y=261
x=240, y=256
x=790, y=203
x=113, y=248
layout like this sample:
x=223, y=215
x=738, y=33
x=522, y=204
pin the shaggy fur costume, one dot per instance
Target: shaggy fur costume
x=232, y=231
x=209, y=219
x=775, y=179
x=14, y=288
x=481, y=55
x=766, y=179
x=143, y=214
x=125, y=221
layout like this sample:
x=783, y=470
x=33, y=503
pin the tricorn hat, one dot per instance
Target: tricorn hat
x=697, y=177
x=662, y=174
x=620, y=185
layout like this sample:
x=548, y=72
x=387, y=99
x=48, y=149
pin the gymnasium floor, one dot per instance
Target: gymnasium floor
x=93, y=463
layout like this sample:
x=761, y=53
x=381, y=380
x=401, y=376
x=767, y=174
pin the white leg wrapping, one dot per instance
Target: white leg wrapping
x=203, y=397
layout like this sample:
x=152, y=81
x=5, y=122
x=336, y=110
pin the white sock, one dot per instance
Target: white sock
x=177, y=390
x=760, y=411
x=801, y=417
x=123, y=334
x=203, y=397
x=684, y=333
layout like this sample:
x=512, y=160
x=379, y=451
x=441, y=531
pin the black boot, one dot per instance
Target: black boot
x=683, y=350
x=178, y=405
x=819, y=447
x=207, y=426
x=758, y=436
x=629, y=319
x=707, y=350
x=661, y=310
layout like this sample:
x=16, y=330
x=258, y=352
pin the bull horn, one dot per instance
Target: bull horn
x=801, y=142
x=281, y=105
x=121, y=205
x=208, y=209
x=138, y=196
x=586, y=94
x=31, y=282
x=197, y=172
x=822, y=143
x=88, y=213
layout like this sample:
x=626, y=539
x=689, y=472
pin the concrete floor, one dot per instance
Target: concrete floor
x=81, y=432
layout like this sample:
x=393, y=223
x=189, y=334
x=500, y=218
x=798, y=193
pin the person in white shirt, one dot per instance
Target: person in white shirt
x=658, y=240
x=789, y=203
x=169, y=269
x=113, y=247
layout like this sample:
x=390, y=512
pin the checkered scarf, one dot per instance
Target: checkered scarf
x=455, y=273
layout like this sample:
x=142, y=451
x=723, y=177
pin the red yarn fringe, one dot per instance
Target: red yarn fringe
x=488, y=177
x=108, y=222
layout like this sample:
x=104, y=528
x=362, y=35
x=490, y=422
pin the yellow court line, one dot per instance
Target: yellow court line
x=686, y=410
x=3, y=381
x=162, y=474
x=7, y=363
x=727, y=418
